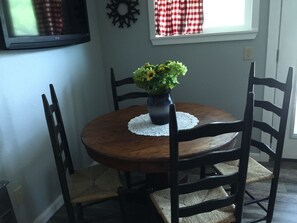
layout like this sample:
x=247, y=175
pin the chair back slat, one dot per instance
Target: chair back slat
x=208, y=183
x=263, y=147
x=268, y=106
x=117, y=97
x=210, y=130
x=237, y=179
x=264, y=127
x=131, y=95
x=128, y=80
x=207, y=206
x=269, y=82
x=210, y=159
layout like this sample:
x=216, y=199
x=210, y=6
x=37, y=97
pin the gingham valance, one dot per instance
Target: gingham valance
x=178, y=17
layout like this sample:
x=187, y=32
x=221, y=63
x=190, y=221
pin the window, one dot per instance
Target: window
x=223, y=21
x=295, y=118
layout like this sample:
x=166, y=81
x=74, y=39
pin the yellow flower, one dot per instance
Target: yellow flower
x=150, y=74
x=161, y=69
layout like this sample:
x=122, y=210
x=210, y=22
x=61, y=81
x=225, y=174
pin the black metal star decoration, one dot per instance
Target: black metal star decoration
x=123, y=19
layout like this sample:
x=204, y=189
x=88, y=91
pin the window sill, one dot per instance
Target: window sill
x=206, y=37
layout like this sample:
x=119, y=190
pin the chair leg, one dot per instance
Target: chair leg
x=80, y=214
x=272, y=198
x=70, y=212
x=128, y=179
x=202, y=172
x=122, y=201
x=153, y=216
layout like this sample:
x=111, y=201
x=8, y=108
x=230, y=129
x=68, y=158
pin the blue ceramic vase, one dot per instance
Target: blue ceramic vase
x=158, y=108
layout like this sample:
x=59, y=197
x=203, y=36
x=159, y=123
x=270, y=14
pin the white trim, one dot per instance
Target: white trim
x=243, y=33
x=50, y=211
x=273, y=39
x=255, y=14
x=294, y=108
x=206, y=37
x=271, y=59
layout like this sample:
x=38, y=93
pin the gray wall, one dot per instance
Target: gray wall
x=217, y=74
x=25, y=151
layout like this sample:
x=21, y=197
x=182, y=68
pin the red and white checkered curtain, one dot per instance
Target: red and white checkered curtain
x=49, y=14
x=178, y=17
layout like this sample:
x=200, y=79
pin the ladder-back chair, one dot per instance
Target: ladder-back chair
x=82, y=187
x=204, y=199
x=276, y=135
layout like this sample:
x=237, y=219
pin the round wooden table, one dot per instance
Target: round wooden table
x=109, y=141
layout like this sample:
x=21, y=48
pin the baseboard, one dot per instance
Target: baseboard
x=50, y=211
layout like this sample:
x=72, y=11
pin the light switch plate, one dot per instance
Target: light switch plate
x=248, y=53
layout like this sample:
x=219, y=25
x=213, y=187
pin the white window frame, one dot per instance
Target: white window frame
x=294, y=124
x=242, y=33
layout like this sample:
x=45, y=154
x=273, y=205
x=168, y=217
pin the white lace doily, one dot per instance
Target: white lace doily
x=142, y=125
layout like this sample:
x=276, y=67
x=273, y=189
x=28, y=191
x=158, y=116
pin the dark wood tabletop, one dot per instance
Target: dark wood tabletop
x=109, y=141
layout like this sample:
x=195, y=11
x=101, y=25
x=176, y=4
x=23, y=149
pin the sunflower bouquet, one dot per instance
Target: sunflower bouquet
x=159, y=79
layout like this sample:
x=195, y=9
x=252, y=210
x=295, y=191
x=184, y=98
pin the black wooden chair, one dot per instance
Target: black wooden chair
x=83, y=187
x=121, y=97
x=204, y=199
x=274, y=148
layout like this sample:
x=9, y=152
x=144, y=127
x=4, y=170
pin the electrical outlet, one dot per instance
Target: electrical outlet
x=19, y=195
x=248, y=53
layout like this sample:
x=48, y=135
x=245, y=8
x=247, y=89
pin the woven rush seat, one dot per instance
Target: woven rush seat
x=93, y=183
x=256, y=171
x=161, y=200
